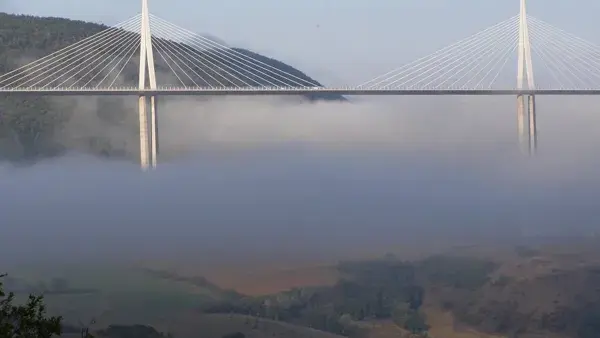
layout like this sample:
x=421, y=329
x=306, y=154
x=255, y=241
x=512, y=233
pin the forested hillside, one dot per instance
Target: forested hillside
x=34, y=127
x=491, y=298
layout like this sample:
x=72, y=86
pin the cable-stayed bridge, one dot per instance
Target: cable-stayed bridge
x=190, y=64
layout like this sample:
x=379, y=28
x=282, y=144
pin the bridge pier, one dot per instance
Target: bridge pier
x=527, y=135
x=532, y=125
x=522, y=133
x=148, y=132
x=144, y=151
x=153, y=131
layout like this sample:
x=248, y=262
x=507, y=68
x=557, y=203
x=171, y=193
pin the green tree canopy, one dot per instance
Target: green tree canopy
x=28, y=320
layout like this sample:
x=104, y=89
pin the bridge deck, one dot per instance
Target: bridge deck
x=291, y=91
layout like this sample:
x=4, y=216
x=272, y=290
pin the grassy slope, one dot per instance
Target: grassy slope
x=170, y=306
x=126, y=295
x=259, y=279
x=217, y=325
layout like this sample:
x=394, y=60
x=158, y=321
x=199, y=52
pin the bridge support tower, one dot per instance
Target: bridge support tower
x=147, y=80
x=525, y=103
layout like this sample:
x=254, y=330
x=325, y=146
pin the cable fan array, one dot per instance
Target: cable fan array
x=488, y=60
x=563, y=60
x=94, y=62
x=110, y=59
x=201, y=62
x=474, y=62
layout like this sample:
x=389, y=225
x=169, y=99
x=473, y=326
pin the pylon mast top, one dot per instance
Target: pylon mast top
x=146, y=50
x=525, y=64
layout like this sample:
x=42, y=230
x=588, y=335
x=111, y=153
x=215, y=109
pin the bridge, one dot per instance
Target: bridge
x=250, y=91
x=194, y=65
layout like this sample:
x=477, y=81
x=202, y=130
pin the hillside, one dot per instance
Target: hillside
x=34, y=127
x=207, y=326
x=474, y=292
x=219, y=325
x=514, y=292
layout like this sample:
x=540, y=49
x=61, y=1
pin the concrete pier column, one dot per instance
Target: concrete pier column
x=521, y=130
x=154, y=131
x=144, y=151
x=533, y=138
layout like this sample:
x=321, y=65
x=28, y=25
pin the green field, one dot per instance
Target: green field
x=125, y=295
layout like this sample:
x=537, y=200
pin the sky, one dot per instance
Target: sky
x=273, y=177
x=338, y=42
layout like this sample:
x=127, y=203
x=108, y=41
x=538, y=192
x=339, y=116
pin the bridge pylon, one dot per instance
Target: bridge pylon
x=527, y=136
x=147, y=80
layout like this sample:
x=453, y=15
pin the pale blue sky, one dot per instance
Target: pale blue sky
x=339, y=41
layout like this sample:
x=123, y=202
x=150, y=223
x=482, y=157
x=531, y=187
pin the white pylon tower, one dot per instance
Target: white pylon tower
x=148, y=134
x=525, y=69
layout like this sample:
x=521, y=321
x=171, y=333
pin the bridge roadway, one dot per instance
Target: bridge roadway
x=197, y=91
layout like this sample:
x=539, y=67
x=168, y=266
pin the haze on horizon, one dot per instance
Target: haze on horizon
x=315, y=180
x=270, y=178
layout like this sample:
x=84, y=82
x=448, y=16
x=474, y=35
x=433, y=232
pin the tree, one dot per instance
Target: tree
x=131, y=331
x=409, y=319
x=416, y=322
x=400, y=314
x=28, y=320
x=235, y=335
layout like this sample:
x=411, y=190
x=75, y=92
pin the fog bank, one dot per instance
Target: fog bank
x=264, y=177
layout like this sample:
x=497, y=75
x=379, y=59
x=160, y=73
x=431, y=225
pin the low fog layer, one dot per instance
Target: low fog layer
x=262, y=176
